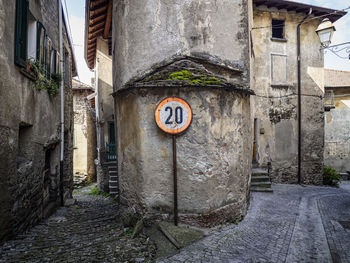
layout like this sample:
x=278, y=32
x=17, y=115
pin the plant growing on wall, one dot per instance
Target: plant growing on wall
x=42, y=81
x=330, y=176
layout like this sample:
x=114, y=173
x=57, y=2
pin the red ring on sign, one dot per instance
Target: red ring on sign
x=162, y=126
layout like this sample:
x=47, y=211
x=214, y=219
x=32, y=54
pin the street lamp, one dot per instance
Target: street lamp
x=325, y=32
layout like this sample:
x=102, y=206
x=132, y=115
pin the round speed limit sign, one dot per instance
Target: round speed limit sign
x=173, y=115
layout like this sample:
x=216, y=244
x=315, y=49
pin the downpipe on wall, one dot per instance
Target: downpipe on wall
x=62, y=102
x=299, y=94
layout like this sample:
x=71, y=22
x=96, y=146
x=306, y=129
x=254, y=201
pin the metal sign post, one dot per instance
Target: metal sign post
x=175, y=181
x=174, y=116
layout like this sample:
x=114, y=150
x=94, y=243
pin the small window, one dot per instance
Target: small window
x=21, y=32
x=32, y=27
x=53, y=64
x=58, y=69
x=67, y=76
x=48, y=50
x=40, y=53
x=278, y=29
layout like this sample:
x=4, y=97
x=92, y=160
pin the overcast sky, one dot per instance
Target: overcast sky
x=76, y=11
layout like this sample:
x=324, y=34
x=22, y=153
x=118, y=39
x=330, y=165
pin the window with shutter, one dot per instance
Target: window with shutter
x=58, y=70
x=53, y=64
x=48, y=56
x=40, y=53
x=21, y=32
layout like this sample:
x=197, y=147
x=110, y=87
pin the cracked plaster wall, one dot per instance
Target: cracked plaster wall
x=24, y=185
x=277, y=140
x=214, y=154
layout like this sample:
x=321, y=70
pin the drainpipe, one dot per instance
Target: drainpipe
x=62, y=101
x=299, y=94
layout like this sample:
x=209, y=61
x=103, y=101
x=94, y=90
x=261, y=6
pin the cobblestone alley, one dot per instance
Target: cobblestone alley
x=294, y=224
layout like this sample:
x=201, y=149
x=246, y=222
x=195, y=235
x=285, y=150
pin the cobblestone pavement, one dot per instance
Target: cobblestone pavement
x=293, y=224
x=85, y=232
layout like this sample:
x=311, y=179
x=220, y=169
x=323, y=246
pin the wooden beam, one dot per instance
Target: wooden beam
x=96, y=28
x=108, y=20
x=95, y=20
x=98, y=11
x=96, y=33
x=93, y=4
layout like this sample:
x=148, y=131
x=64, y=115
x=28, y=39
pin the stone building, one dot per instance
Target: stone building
x=30, y=114
x=98, y=43
x=198, y=51
x=337, y=120
x=274, y=108
x=235, y=63
x=84, y=138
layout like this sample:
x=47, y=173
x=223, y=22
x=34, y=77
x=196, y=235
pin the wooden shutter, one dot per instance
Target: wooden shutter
x=48, y=56
x=40, y=44
x=21, y=32
x=58, y=63
x=54, y=63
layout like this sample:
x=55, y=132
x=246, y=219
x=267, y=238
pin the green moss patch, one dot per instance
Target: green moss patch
x=184, y=76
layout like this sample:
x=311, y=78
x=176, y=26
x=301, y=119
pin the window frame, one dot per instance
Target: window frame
x=21, y=32
x=281, y=21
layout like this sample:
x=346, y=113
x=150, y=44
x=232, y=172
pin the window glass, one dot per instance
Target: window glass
x=278, y=28
x=41, y=44
x=31, y=44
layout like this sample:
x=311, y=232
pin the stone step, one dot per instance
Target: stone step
x=260, y=189
x=259, y=171
x=112, y=168
x=113, y=178
x=261, y=184
x=113, y=184
x=112, y=173
x=260, y=178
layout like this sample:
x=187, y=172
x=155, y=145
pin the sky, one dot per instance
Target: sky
x=76, y=14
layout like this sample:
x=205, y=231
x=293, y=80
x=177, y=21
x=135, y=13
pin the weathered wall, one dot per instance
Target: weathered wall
x=214, y=153
x=149, y=32
x=337, y=135
x=213, y=156
x=81, y=131
x=29, y=128
x=106, y=107
x=275, y=106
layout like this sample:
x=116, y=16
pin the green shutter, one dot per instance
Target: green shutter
x=21, y=32
x=40, y=43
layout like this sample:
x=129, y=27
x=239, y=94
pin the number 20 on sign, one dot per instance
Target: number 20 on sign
x=173, y=115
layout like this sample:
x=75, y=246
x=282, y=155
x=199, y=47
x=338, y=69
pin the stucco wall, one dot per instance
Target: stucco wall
x=337, y=134
x=148, y=32
x=214, y=155
x=29, y=128
x=275, y=106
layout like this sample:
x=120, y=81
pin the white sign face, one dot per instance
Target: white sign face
x=173, y=115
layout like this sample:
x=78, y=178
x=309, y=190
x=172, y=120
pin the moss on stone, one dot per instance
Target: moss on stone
x=191, y=78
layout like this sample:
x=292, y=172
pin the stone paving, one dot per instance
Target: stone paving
x=293, y=224
x=85, y=232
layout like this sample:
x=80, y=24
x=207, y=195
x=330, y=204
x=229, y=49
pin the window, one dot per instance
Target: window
x=31, y=41
x=21, y=32
x=277, y=28
x=48, y=50
x=40, y=43
x=67, y=76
